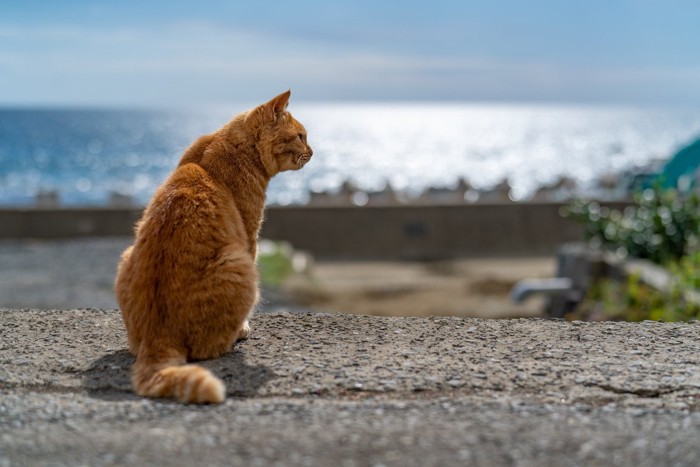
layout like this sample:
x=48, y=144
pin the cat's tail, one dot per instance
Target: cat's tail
x=165, y=375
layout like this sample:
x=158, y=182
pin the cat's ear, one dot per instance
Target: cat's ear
x=276, y=106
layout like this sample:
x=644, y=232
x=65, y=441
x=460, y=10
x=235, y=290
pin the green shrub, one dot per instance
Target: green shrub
x=662, y=226
x=275, y=266
x=632, y=300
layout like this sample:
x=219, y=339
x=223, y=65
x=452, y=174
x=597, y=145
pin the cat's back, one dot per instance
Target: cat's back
x=190, y=212
x=190, y=223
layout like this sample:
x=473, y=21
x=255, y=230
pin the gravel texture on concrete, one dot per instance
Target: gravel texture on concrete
x=334, y=389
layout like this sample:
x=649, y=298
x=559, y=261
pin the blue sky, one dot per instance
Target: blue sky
x=181, y=53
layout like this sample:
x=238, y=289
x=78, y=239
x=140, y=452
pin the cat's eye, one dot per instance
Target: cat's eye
x=301, y=137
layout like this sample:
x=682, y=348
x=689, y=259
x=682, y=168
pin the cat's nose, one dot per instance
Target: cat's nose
x=311, y=151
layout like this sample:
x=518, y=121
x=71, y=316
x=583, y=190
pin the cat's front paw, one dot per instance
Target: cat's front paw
x=244, y=332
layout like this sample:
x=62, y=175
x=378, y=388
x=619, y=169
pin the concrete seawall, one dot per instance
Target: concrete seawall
x=396, y=232
x=424, y=232
x=346, y=390
x=43, y=223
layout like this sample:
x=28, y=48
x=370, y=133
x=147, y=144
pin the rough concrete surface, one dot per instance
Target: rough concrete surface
x=67, y=273
x=78, y=273
x=333, y=389
x=60, y=273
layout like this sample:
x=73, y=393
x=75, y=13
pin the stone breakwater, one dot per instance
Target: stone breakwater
x=333, y=389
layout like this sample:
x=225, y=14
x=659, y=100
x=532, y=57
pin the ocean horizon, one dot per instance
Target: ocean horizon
x=87, y=155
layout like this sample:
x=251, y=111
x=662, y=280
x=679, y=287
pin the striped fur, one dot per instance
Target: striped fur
x=191, y=384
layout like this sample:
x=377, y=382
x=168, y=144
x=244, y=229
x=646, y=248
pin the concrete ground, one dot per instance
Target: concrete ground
x=59, y=273
x=474, y=287
x=79, y=273
x=341, y=389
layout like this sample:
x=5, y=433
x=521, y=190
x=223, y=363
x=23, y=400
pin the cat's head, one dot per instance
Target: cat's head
x=281, y=139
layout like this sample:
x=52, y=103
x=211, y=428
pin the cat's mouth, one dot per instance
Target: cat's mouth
x=302, y=160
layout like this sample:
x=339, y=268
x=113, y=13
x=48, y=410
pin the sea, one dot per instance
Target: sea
x=86, y=156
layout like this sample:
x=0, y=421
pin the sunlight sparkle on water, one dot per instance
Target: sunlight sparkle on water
x=86, y=155
x=420, y=145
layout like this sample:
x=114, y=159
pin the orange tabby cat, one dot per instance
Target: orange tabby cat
x=188, y=284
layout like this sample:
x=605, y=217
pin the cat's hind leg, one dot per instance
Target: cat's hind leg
x=127, y=299
x=225, y=304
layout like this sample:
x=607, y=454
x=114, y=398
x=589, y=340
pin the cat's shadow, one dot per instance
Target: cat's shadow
x=109, y=377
